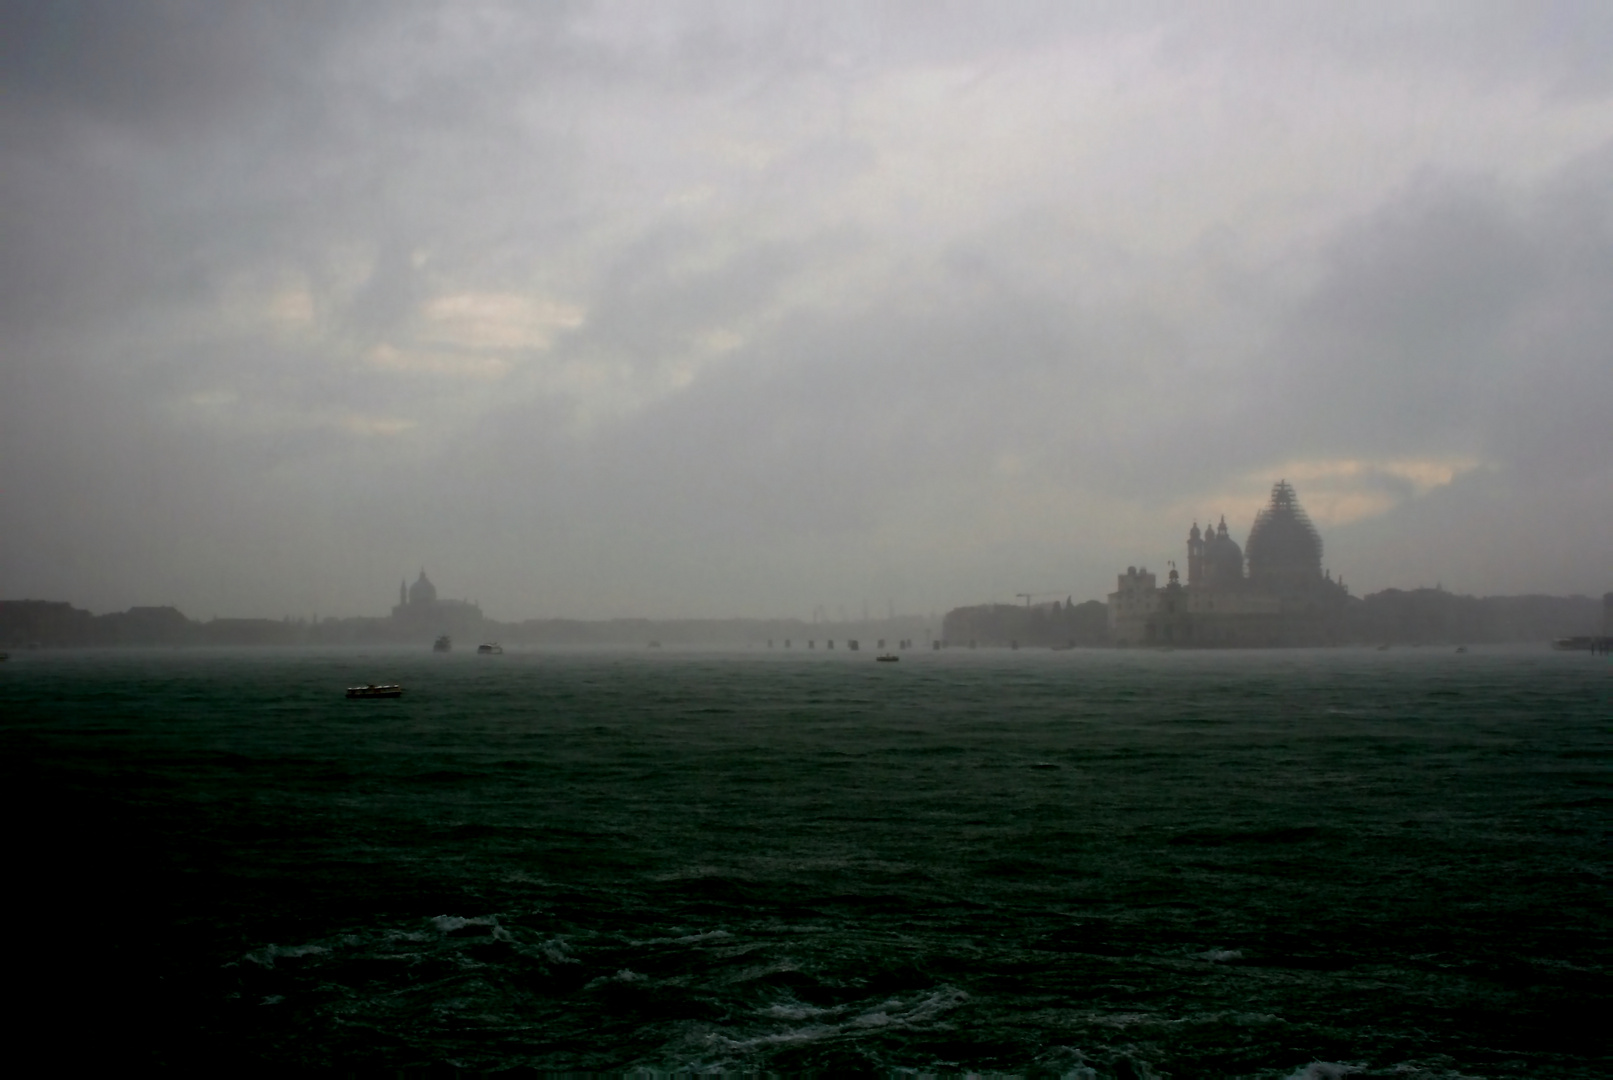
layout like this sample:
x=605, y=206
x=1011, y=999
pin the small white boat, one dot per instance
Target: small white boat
x=386, y=690
x=490, y=648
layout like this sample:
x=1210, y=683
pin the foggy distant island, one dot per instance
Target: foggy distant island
x=1272, y=592
x=1284, y=598
x=1393, y=616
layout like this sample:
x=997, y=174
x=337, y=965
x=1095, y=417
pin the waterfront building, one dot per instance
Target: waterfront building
x=420, y=608
x=1284, y=598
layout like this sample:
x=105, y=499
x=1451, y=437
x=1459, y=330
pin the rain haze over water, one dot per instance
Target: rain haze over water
x=703, y=309
x=868, y=319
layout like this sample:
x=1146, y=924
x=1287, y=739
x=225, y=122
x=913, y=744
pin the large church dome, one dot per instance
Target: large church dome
x=422, y=591
x=1284, y=547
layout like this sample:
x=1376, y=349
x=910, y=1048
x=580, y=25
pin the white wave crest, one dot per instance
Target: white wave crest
x=1220, y=956
x=1325, y=1070
x=266, y=956
x=847, y=1020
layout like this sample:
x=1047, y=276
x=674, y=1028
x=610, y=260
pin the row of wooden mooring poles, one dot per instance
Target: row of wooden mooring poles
x=851, y=643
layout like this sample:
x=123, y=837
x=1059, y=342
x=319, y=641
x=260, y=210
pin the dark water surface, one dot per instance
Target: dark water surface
x=1088, y=863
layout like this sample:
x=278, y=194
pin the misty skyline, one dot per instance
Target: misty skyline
x=710, y=309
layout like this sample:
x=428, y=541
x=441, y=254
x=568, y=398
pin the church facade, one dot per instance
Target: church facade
x=1274, y=594
x=420, y=609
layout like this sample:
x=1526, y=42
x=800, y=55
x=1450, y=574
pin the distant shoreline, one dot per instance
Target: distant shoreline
x=1391, y=617
x=57, y=623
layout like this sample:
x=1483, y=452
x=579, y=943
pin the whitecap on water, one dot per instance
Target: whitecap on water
x=827, y=1024
x=266, y=956
x=1325, y=1070
x=1220, y=956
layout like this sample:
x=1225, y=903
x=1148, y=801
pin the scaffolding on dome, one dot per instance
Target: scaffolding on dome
x=1284, y=509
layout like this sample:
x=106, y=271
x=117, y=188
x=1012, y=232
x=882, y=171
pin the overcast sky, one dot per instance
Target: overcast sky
x=709, y=309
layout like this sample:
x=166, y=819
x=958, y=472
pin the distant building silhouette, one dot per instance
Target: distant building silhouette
x=1285, y=599
x=418, y=608
x=421, y=592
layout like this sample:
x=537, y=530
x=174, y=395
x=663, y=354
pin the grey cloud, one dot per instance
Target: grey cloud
x=142, y=63
x=164, y=161
x=1563, y=44
x=1460, y=318
x=645, y=307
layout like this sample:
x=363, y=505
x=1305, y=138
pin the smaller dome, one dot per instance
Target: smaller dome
x=1223, y=559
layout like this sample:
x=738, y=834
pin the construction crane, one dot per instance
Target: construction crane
x=1029, y=596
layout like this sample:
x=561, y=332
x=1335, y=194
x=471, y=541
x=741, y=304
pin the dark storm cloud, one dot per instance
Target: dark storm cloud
x=156, y=64
x=97, y=102
x=1463, y=318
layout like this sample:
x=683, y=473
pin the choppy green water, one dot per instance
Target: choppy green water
x=1097, y=863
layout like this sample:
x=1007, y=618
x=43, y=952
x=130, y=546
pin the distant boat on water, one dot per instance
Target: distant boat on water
x=490, y=648
x=443, y=644
x=387, y=690
x=886, y=658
